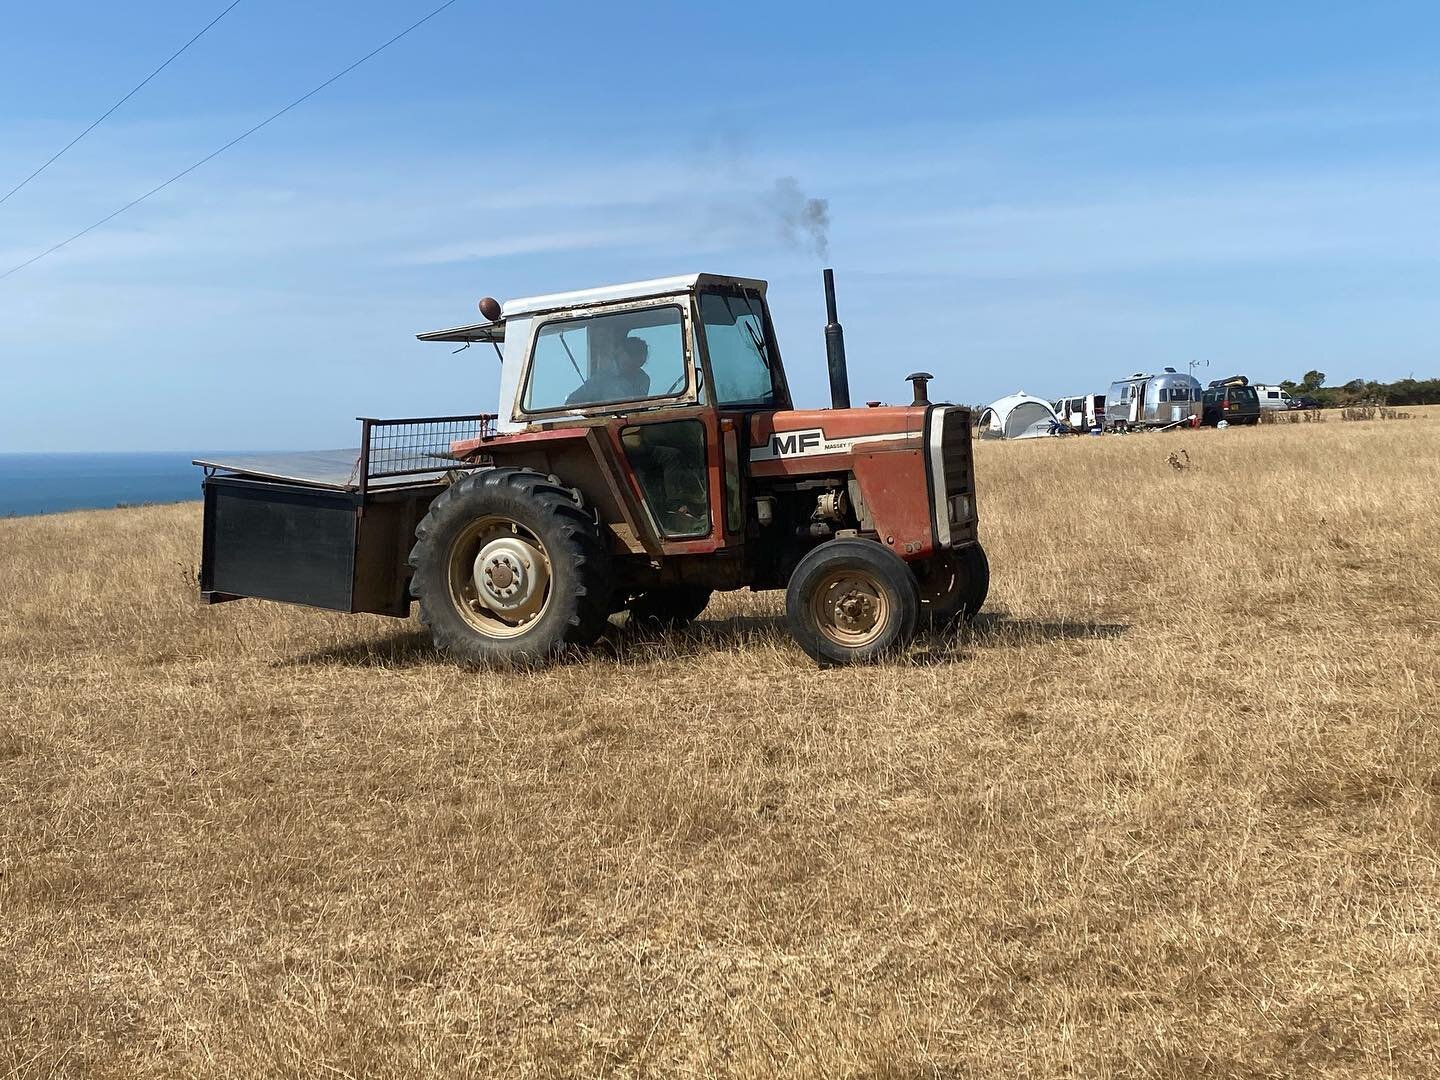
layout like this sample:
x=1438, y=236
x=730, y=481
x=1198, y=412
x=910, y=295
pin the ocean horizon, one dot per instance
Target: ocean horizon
x=49, y=483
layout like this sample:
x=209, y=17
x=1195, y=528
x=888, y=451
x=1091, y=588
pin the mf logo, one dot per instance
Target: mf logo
x=812, y=442
x=790, y=443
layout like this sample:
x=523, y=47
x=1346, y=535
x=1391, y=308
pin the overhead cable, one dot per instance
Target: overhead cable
x=239, y=138
x=140, y=86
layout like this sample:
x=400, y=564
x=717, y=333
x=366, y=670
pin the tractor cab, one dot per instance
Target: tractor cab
x=699, y=340
x=671, y=367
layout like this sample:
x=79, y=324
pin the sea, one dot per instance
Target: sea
x=50, y=483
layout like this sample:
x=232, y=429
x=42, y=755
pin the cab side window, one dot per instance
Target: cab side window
x=622, y=357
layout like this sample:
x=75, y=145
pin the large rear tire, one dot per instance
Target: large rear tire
x=509, y=569
x=953, y=586
x=669, y=607
x=852, y=601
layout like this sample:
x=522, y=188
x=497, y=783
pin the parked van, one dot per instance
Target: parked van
x=1152, y=401
x=1081, y=412
x=1272, y=397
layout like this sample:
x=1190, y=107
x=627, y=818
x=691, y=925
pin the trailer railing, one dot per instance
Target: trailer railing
x=415, y=445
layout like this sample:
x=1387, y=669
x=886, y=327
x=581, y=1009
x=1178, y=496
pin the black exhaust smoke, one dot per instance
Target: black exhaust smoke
x=835, y=348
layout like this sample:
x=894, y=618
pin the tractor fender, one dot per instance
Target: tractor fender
x=587, y=459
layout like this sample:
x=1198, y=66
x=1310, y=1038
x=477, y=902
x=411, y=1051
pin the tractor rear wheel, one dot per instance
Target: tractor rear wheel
x=953, y=586
x=669, y=607
x=851, y=601
x=509, y=569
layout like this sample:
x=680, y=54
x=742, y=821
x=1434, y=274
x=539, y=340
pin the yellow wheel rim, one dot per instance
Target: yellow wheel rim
x=500, y=576
x=850, y=608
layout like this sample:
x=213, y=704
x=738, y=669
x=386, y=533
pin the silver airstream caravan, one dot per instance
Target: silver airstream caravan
x=1152, y=401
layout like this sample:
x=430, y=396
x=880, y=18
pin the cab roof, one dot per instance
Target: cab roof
x=633, y=290
x=494, y=332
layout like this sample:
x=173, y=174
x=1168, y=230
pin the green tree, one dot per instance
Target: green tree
x=1313, y=380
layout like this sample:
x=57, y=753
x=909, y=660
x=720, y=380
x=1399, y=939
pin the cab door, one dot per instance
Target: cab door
x=675, y=462
x=631, y=366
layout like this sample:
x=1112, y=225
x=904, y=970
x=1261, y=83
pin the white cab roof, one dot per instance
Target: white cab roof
x=605, y=294
x=634, y=290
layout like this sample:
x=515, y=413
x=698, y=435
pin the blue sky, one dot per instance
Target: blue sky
x=1033, y=197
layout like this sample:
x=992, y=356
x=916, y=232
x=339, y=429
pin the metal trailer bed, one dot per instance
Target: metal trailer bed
x=328, y=528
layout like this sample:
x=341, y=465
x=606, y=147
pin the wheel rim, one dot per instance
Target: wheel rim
x=499, y=574
x=850, y=608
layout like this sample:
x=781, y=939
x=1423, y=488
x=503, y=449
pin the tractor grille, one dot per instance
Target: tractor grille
x=956, y=452
x=952, y=476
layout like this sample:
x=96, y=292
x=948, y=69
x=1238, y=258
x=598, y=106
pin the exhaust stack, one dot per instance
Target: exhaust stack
x=835, y=348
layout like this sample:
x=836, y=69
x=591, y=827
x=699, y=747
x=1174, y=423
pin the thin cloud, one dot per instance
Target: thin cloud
x=500, y=247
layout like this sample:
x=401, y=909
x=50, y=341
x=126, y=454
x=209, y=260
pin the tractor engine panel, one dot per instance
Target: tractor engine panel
x=911, y=465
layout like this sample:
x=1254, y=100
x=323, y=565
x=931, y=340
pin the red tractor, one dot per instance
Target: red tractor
x=645, y=454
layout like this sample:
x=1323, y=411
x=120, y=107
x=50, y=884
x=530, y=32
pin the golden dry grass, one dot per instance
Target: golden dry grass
x=1171, y=809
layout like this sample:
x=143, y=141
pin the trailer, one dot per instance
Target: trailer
x=329, y=528
x=1152, y=401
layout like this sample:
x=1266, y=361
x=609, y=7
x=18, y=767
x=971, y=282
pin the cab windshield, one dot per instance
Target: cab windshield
x=742, y=361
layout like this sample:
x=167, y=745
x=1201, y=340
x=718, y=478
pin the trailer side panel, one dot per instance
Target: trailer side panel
x=278, y=542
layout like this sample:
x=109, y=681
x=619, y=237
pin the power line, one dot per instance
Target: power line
x=239, y=138
x=117, y=104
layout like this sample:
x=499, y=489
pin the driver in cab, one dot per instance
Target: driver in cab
x=624, y=380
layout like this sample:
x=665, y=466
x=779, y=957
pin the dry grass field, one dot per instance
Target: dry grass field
x=1170, y=809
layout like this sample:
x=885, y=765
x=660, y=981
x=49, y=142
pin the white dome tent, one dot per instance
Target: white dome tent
x=1019, y=416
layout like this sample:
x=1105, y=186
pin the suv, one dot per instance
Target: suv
x=1237, y=404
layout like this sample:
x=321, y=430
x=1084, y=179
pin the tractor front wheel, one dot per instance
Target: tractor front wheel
x=851, y=601
x=508, y=569
x=953, y=586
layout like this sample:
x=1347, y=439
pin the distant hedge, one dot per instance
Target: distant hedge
x=1361, y=391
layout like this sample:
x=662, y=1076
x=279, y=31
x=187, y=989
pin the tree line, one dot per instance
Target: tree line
x=1364, y=392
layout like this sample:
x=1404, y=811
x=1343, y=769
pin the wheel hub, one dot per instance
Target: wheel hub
x=511, y=576
x=850, y=609
x=855, y=612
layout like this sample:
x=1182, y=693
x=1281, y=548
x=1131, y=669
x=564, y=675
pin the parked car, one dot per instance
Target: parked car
x=1235, y=404
x=1152, y=401
x=1081, y=411
x=1273, y=397
x=1303, y=402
